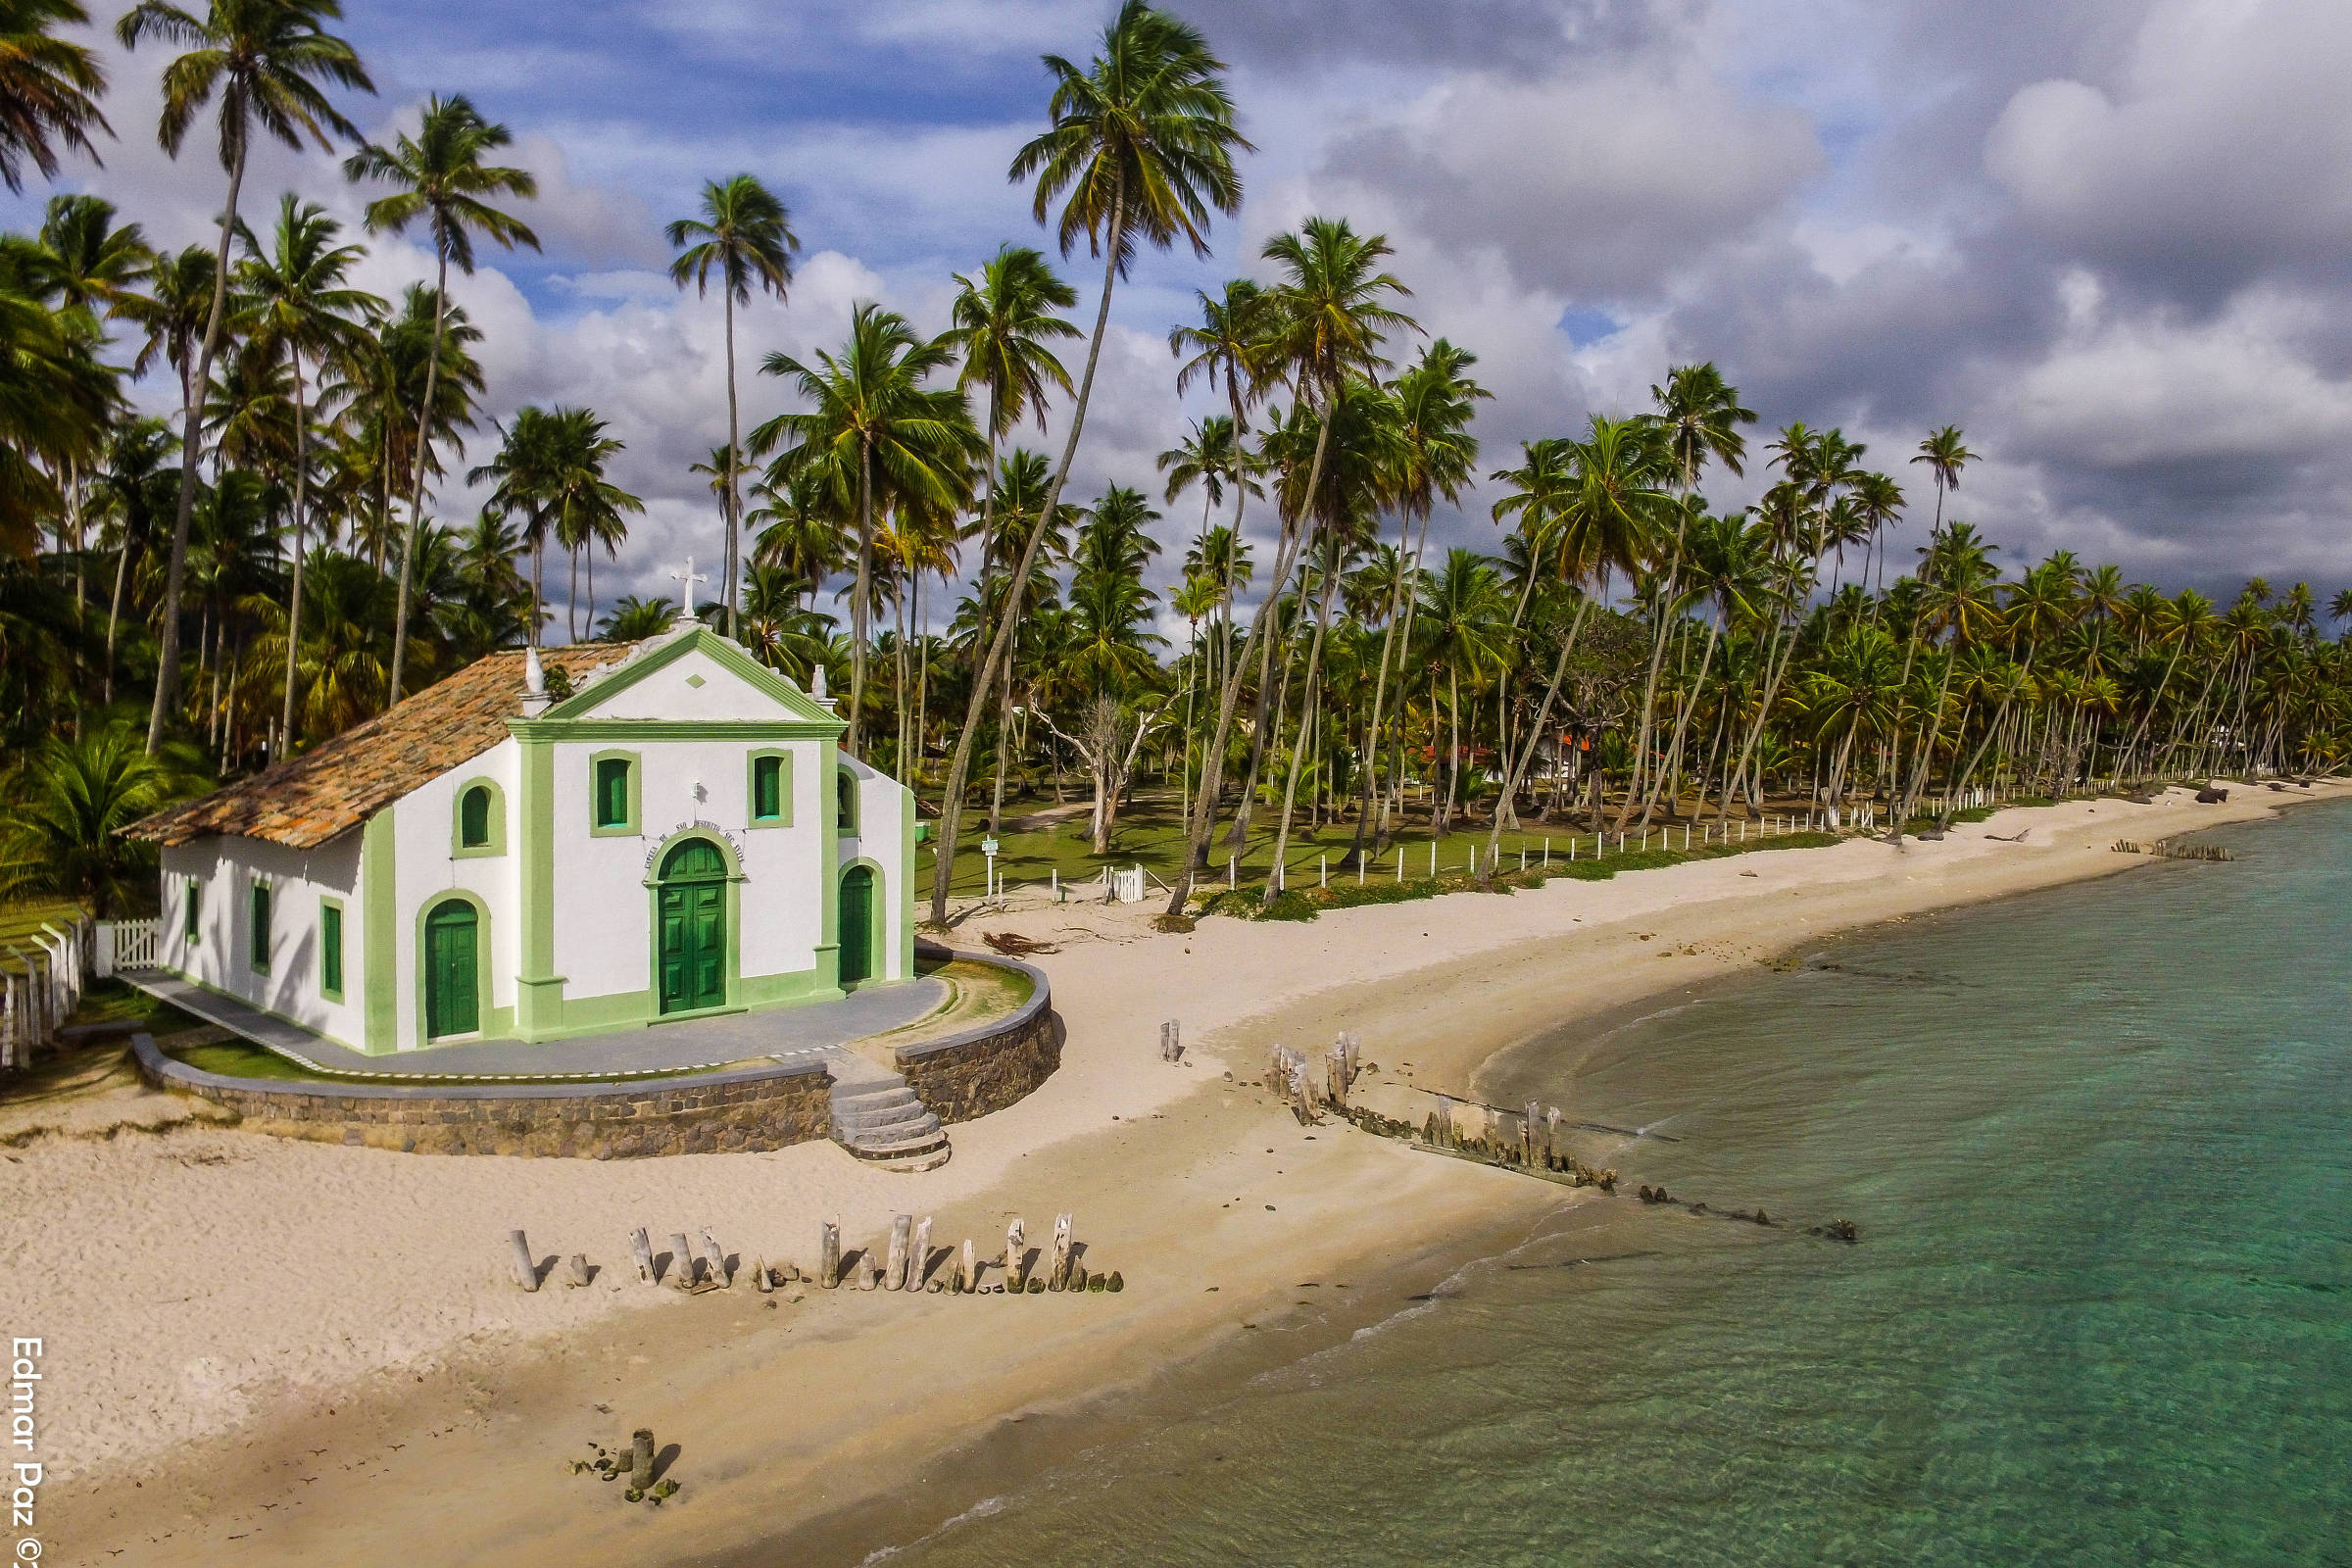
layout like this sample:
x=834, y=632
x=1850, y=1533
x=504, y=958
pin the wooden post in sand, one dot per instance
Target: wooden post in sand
x=1551, y=1135
x=1015, y=1241
x=681, y=1263
x=967, y=1269
x=918, y=1267
x=526, y=1268
x=1528, y=1118
x=715, y=1260
x=759, y=1280
x=641, y=1247
x=828, y=1255
x=894, y=1272
x=579, y=1270
x=1059, y=1274
x=641, y=1459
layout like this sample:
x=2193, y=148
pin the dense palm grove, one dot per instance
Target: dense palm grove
x=190, y=597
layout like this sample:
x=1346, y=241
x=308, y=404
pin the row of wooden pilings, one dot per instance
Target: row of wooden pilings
x=42, y=976
x=907, y=1262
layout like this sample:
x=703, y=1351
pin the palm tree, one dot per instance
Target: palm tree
x=1947, y=454
x=61, y=835
x=585, y=508
x=130, y=486
x=1141, y=147
x=1434, y=404
x=292, y=298
x=55, y=397
x=1608, y=520
x=448, y=187
x=875, y=432
x=48, y=89
x=1327, y=322
x=744, y=234
x=266, y=60
x=1002, y=326
x=634, y=619
x=1701, y=414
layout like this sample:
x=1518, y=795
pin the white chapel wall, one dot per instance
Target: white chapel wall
x=426, y=866
x=300, y=880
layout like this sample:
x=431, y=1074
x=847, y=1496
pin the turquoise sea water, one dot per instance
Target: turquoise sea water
x=2100, y=1145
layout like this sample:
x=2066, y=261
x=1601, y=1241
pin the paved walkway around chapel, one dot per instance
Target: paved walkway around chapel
x=782, y=1034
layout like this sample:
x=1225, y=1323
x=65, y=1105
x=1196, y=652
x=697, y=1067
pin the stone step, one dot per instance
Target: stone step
x=880, y=1112
x=878, y=1119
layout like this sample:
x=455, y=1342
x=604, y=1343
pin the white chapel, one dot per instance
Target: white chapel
x=549, y=843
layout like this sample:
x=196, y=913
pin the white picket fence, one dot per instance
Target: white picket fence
x=41, y=979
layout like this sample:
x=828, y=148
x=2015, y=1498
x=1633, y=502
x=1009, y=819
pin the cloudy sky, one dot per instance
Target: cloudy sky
x=2111, y=239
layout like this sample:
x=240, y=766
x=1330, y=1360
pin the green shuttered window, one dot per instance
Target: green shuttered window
x=258, y=929
x=189, y=907
x=330, y=950
x=767, y=789
x=612, y=792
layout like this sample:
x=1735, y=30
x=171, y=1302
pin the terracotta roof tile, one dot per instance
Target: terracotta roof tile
x=325, y=792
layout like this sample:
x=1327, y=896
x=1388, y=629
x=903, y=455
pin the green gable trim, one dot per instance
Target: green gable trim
x=727, y=655
x=641, y=730
x=380, y=935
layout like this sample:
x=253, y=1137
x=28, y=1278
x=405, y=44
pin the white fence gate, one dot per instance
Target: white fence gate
x=124, y=945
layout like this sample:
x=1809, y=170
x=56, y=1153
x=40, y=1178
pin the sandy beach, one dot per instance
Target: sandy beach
x=261, y=1351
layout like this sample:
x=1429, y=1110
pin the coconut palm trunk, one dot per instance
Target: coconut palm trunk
x=999, y=646
x=1314, y=663
x=425, y=425
x=734, y=504
x=191, y=449
x=301, y=473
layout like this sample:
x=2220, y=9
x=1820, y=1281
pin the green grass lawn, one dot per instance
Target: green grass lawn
x=1150, y=834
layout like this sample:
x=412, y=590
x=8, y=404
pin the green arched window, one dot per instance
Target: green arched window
x=474, y=818
x=844, y=784
x=480, y=827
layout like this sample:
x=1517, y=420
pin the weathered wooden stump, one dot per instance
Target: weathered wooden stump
x=1057, y=1273
x=828, y=1255
x=641, y=1458
x=894, y=1273
x=526, y=1268
x=681, y=1263
x=641, y=1247
x=715, y=1258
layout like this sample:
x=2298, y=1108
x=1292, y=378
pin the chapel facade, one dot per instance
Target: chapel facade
x=547, y=844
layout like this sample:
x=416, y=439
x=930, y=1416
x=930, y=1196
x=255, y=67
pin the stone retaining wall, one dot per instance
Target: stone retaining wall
x=990, y=1067
x=748, y=1110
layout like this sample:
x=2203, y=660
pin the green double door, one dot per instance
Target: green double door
x=692, y=960
x=453, y=989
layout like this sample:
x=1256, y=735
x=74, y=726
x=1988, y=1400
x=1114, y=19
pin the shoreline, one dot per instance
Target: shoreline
x=787, y=1422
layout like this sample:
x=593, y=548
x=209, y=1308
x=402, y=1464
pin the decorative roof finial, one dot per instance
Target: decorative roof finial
x=688, y=578
x=535, y=698
x=816, y=683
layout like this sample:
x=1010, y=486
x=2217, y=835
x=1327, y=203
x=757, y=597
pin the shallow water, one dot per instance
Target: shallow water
x=2099, y=1146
